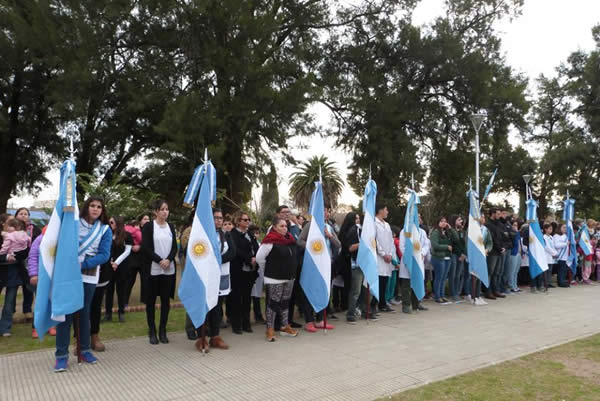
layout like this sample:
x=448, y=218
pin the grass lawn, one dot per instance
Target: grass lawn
x=134, y=326
x=567, y=372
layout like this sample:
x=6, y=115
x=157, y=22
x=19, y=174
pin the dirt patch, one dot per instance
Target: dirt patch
x=580, y=367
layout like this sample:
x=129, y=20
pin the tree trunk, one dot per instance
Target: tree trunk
x=234, y=174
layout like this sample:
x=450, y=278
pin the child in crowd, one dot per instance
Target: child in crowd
x=588, y=262
x=227, y=223
x=15, y=238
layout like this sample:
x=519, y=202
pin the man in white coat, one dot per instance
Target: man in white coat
x=385, y=252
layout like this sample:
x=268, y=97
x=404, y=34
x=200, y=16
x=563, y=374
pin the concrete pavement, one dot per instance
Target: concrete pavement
x=360, y=362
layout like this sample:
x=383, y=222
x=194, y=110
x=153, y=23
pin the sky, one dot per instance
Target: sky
x=535, y=43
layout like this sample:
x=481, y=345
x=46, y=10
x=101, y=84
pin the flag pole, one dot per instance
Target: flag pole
x=368, y=301
x=202, y=338
x=77, y=317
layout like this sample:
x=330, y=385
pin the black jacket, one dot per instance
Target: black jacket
x=244, y=251
x=106, y=271
x=281, y=263
x=496, y=229
x=149, y=256
x=228, y=256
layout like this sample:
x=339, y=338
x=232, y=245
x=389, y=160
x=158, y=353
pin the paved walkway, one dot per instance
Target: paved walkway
x=359, y=362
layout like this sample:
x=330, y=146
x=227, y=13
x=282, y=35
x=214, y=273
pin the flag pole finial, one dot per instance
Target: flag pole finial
x=205, y=155
x=71, y=148
x=412, y=181
x=369, y=171
x=320, y=175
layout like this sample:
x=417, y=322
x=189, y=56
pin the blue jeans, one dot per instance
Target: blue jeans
x=63, y=330
x=440, y=268
x=10, y=300
x=356, y=284
x=510, y=273
x=562, y=273
x=455, y=276
x=492, y=264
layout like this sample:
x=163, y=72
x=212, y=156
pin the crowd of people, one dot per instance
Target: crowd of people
x=113, y=253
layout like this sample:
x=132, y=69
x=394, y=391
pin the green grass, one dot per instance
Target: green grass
x=134, y=326
x=567, y=372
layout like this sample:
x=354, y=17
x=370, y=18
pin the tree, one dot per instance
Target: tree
x=28, y=141
x=404, y=94
x=269, y=198
x=302, y=182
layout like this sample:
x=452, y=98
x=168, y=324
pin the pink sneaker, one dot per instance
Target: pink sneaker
x=321, y=325
x=310, y=327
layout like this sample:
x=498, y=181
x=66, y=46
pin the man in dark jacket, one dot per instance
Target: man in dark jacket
x=508, y=236
x=494, y=258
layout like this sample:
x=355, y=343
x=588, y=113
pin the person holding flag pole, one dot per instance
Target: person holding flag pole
x=569, y=254
x=201, y=278
x=586, y=247
x=366, y=259
x=536, y=249
x=476, y=250
x=71, y=251
x=414, y=247
x=317, y=238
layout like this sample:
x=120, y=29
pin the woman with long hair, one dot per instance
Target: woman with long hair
x=118, y=268
x=441, y=251
x=95, y=238
x=159, y=246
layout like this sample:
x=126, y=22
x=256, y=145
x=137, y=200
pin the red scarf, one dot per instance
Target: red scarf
x=273, y=237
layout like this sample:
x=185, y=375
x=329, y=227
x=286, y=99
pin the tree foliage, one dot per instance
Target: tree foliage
x=302, y=181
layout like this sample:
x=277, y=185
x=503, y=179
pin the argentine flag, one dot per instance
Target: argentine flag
x=475, y=243
x=60, y=287
x=568, y=214
x=584, y=240
x=194, y=186
x=367, y=248
x=199, y=286
x=411, y=254
x=315, y=278
x=536, y=251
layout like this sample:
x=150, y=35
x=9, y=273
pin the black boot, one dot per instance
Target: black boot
x=246, y=326
x=152, y=335
x=162, y=335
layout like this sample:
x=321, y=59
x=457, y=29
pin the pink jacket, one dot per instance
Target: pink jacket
x=136, y=234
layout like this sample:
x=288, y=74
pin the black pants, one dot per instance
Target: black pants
x=95, y=310
x=337, y=294
x=132, y=273
x=382, y=287
x=160, y=286
x=212, y=322
x=408, y=295
x=240, y=299
x=121, y=281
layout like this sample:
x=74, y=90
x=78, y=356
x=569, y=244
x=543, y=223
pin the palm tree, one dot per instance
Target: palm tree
x=302, y=181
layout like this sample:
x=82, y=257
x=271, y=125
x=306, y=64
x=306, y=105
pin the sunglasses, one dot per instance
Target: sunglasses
x=245, y=219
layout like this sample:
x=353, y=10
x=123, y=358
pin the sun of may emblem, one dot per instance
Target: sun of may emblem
x=199, y=249
x=373, y=243
x=416, y=246
x=52, y=250
x=317, y=246
x=480, y=240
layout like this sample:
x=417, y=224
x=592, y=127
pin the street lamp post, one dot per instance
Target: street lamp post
x=527, y=178
x=477, y=121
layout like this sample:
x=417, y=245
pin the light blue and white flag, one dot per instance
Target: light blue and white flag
x=584, y=240
x=194, y=186
x=199, y=286
x=315, y=278
x=411, y=254
x=475, y=244
x=367, y=248
x=568, y=215
x=488, y=188
x=60, y=286
x=536, y=251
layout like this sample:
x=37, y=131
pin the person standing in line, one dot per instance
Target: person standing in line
x=22, y=214
x=314, y=319
x=410, y=302
x=385, y=253
x=551, y=253
x=159, y=247
x=458, y=257
x=10, y=278
x=441, y=251
x=257, y=288
x=350, y=240
x=277, y=256
x=214, y=316
x=117, y=270
x=494, y=257
x=136, y=258
x=95, y=239
x=561, y=244
x=514, y=261
x=243, y=274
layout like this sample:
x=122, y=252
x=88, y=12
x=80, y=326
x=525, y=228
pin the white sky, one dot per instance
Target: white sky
x=546, y=33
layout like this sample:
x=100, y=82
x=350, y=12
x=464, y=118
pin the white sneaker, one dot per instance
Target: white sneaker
x=396, y=301
x=469, y=299
x=481, y=301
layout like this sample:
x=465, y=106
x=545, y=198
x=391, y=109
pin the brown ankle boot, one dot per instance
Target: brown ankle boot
x=97, y=344
x=201, y=344
x=217, y=342
x=270, y=334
